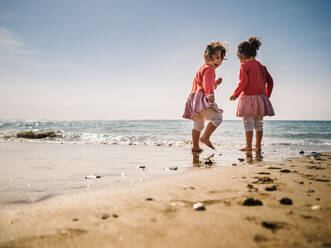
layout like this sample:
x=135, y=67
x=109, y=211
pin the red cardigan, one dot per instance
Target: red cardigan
x=205, y=80
x=254, y=79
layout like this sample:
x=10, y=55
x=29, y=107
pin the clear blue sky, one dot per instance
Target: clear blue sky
x=70, y=59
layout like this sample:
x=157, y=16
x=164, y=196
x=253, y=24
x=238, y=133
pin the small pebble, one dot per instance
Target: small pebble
x=263, y=173
x=171, y=168
x=270, y=225
x=199, y=206
x=285, y=171
x=234, y=164
x=301, y=152
x=241, y=159
x=252, y=202
x=271, y=188
x=149, y=199
x=115, y=216
x=143, y=167
x=75, y=219
x=316, y=207
x=286, y=201
x=92, y=177
x=105, y=216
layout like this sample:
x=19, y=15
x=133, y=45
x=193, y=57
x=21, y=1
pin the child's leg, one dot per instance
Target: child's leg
x=259, y=132
x=249, y=125
x=216, y=119
x=205, y=138
x=197, y=127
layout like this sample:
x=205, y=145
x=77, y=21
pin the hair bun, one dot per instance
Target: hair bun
x=255, y=42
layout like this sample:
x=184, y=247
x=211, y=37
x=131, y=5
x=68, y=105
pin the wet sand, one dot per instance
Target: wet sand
x=262, y=204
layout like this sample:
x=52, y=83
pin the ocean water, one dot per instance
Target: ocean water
x=113, y=149
x=281, y=140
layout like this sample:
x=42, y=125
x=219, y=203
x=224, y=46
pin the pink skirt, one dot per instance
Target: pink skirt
x=255, y=105
x=197, y=102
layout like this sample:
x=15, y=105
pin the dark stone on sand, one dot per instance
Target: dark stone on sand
x=220, y=154
x=271, y=188
x=301, y=152
x=285, y=171
x=241, y=159
x=234, y=164
x=326, y=244
x=199, y=206
x=314, y=167
x=75, y=219
x=250, y=186
x=271, y=225
x=263, y=180
x=142, y=167
x=286, y=201
x=208, y=162
x=263, y=173
x=149, y=199
x=35, y=135
x=311, y=191
x=173, y=168
x=318, y=199
x=301, y=182
x=252, y=202
x=273, y=168
x=105, y=216
x=321, y=180
x=115, y=216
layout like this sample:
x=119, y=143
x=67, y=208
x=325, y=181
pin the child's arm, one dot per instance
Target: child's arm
x=243, y=81
x=208, y=83
x=269, y=83
x=218, y=82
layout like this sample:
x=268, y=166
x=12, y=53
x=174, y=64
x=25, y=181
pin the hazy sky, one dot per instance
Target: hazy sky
x=80, y=59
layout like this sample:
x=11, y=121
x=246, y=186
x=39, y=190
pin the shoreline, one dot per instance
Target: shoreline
x=40, y=171
x=160, y=213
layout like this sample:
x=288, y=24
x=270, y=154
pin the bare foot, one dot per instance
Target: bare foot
x=207, y=143
x=197, y=150
x=246, y=149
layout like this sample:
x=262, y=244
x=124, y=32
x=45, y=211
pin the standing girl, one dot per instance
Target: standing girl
x=254, y=88
x=200, y=105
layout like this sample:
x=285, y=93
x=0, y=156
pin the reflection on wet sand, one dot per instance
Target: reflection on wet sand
x=249, y=156
x=196, y=159
x=196, y=162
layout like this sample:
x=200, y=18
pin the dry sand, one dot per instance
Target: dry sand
x=160, y=213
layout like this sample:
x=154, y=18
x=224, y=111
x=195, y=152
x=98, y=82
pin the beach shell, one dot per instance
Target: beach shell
x=316, y=207
x=92, y=177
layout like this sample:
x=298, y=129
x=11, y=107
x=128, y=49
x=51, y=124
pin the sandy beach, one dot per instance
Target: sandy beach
x=264, y=204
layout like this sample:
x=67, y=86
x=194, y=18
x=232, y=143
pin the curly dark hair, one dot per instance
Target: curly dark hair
x=212, y=48
x=249, y=48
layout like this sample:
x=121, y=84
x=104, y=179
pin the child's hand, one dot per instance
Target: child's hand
x=211, y=99
x=218, y=82
x=232, y=98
